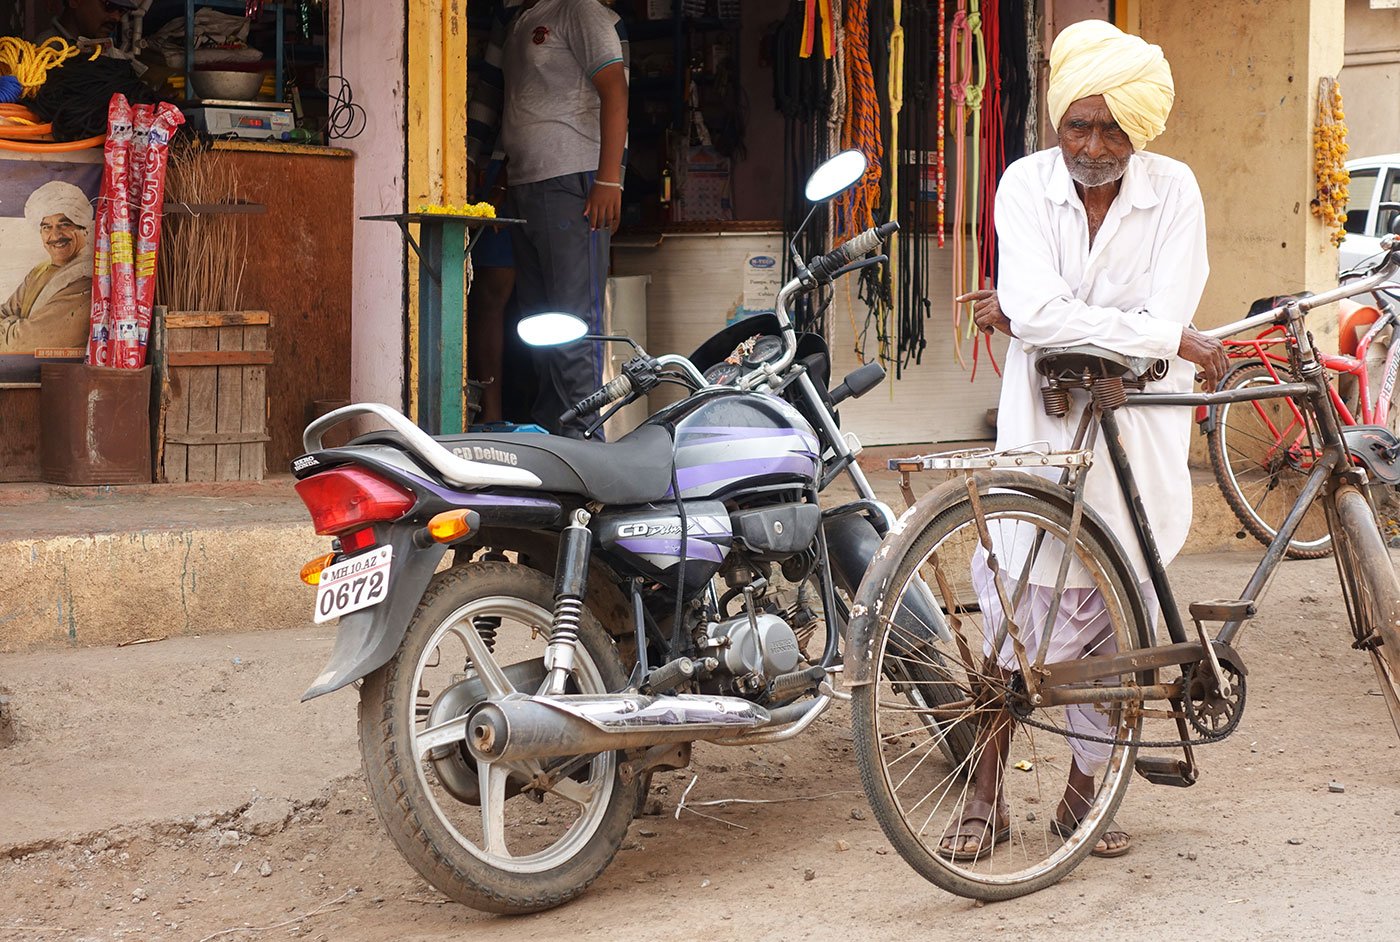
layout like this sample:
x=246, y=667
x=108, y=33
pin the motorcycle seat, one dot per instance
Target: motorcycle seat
x=636, y=469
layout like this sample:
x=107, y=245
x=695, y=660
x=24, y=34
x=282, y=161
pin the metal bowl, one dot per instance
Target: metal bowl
x=224, y=85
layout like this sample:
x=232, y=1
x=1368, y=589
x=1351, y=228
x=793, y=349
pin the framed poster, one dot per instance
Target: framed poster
x=47, y=231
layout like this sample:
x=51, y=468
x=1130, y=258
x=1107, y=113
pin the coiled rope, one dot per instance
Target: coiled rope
x=31, y=64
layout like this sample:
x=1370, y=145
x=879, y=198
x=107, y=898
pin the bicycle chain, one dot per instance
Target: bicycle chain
x=1112, y=741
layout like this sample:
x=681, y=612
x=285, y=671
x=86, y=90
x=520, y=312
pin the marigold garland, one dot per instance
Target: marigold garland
x=1329, y=159
x=476, y=210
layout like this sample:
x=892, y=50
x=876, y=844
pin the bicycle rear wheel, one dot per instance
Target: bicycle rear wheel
x=1372, y=588
x=1261, y=454
x=919, y=795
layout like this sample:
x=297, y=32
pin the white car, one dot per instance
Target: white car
x=1374, y=203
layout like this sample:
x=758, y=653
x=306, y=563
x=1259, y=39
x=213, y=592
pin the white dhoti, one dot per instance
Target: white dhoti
x=1082, y=628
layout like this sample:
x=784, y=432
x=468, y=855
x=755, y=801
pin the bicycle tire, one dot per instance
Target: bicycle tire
x=872, y=742
x=1369, y=578
x=1234, y=442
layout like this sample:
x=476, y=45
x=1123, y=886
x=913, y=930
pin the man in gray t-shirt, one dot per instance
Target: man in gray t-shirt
x=563, y=114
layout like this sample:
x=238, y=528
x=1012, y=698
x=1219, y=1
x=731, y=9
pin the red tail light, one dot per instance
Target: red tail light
x=347, y=498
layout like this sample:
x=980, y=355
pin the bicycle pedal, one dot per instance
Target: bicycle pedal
x=1165, y=770
x=1223, y=610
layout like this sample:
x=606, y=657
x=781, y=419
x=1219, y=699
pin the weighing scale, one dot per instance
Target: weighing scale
x=252, y=120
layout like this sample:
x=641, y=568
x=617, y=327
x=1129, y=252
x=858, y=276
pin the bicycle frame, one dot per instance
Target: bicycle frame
x=1334, y=461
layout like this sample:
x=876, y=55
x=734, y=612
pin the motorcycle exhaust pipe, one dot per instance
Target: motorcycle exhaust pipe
x=530, y=728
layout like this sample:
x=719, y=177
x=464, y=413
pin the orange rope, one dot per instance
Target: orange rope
x=60, y=147
x=861, y=130
x=24, y=130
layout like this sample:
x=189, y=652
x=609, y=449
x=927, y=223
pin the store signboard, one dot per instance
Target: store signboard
x=47, y=229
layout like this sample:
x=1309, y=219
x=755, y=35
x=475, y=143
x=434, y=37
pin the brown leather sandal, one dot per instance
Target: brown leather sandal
x=977, y=822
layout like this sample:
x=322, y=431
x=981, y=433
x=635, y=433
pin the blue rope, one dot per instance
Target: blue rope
x=10, y=89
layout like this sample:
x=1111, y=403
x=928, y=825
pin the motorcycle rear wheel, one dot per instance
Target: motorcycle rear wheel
x=518, y=848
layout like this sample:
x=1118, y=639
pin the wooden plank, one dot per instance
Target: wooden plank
x=174, y=466
x=203, y=397
x=156, y=353
x=19, y=432
x=228, y=417
x=219, y=438
x=253, y=462
x=216, y=319
x=222, y=358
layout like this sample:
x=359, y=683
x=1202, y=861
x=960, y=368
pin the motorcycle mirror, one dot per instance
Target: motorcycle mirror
x=551, y=329
x=835, y=175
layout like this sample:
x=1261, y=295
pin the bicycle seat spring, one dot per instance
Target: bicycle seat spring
x=1108, y=392
x=1055, y=400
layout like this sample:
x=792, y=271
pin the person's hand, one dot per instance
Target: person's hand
x=1206, y=352
x=986, y=312
x=604, y=206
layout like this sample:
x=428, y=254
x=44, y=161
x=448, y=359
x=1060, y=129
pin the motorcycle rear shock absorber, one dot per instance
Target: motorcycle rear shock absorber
x=570, y=587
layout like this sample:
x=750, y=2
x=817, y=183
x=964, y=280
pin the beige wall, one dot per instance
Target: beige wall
x=1371, y=79
x=1246, y=79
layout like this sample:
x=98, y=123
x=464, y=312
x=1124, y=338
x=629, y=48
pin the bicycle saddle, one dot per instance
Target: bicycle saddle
x=1073, y=362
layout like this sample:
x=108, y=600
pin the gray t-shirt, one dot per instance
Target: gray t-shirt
x=550, y=126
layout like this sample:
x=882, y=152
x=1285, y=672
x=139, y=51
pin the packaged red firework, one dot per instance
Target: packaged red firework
x=128, y=230
x=109, y=202
x=161, y=125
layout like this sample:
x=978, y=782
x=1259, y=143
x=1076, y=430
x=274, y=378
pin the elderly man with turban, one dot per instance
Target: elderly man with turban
x=1101, y=243
x=52, y=305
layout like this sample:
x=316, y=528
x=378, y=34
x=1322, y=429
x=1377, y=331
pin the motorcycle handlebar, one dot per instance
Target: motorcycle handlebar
x=824, y=267
x=610, y=392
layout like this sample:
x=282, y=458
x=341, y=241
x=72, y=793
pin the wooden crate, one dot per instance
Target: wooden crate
x=213, y=411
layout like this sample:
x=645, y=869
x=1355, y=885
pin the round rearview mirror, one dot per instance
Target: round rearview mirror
x=835, y=175
x=551, y=329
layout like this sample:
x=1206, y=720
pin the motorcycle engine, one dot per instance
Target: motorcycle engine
x=754, y=652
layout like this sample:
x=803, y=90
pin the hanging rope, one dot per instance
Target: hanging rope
x=862, y=128
x=915, y=210
x=994, y=151
x=810, y=29
x=896, y=105
x=941, y=180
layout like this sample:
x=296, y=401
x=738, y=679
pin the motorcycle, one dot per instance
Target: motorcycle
x=606, y=605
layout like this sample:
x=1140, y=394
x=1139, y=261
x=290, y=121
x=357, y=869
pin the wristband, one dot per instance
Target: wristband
x=606, y=183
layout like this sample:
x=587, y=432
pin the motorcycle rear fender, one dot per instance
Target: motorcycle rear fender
x=865, y=614
x=365, y=640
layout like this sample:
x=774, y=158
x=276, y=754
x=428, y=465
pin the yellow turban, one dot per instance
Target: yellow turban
x=1097, y=58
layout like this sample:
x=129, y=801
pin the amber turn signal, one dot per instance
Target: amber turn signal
x=451, y=525
x=311, y=572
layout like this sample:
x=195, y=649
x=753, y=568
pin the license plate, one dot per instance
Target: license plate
x=353, y=584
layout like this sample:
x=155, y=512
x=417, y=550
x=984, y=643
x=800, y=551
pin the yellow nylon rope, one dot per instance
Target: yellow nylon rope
x=31, y=64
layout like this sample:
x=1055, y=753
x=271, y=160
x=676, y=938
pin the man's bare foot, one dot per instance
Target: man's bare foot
x=1078, y=793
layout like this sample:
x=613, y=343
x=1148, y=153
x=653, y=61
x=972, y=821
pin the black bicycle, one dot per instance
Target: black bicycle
x=1046, y=638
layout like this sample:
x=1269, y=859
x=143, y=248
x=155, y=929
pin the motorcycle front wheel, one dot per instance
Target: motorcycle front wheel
x=540, y=831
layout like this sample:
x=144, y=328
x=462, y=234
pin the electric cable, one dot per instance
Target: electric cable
x=345, y=120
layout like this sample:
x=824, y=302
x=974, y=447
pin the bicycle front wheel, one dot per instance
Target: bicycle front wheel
x=1261, y=453
x=931, y=805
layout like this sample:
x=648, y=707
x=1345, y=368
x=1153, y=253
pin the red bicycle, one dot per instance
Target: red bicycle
x=1263, y=450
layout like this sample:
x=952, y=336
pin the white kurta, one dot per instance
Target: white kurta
x=1132, y=291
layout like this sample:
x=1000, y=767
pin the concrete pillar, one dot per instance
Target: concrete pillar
x=1246, y=95
x=372, y=58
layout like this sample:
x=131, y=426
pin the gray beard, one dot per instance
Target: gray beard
x=1095, y=174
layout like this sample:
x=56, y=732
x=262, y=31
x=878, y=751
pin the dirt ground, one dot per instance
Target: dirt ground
x=134, y=767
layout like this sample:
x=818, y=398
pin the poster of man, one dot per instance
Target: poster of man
x=47, y=229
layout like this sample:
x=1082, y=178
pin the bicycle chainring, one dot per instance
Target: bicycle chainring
x=1210, y=711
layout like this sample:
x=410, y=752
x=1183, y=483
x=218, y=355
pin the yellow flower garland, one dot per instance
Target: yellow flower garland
x=477, y=210
x=1329, y=159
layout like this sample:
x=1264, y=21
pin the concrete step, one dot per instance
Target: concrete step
x=104, y=566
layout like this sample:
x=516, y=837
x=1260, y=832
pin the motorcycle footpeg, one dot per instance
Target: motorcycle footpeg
x=668, y=677
x=1166, y=770
x=787, y=686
